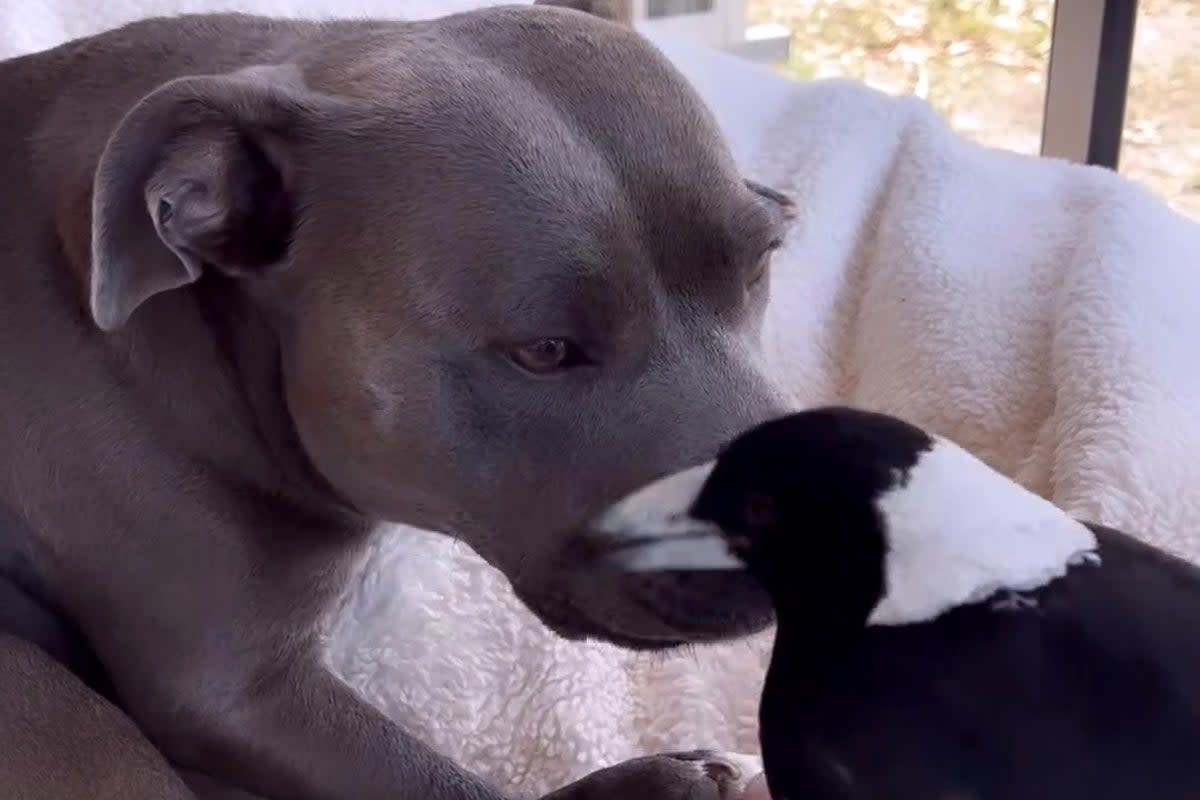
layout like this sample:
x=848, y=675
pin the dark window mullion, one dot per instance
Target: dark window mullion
x=1112, y=82
x=1088, y=79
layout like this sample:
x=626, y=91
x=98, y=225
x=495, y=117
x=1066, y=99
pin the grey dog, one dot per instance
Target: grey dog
x=267, y=284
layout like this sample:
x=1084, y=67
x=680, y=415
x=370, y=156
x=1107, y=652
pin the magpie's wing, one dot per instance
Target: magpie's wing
x=1085, y=689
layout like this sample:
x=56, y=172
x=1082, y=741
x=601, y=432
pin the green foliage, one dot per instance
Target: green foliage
x=982, y=64
x=935, y=49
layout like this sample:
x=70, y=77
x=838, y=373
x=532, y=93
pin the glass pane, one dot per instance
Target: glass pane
x=672, y=8
x=981, y=63
x=1161, y=145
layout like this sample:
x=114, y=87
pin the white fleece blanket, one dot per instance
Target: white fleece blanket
x=1044, y=315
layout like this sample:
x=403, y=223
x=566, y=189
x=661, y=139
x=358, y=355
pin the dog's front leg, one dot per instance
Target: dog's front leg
x=304, y=734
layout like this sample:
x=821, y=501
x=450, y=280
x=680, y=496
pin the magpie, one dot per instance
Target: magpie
x=941, y=633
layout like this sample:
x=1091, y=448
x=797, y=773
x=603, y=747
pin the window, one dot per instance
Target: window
x=1161, y=143
x=1109, y=82
x=657, y=9
x=981, y=63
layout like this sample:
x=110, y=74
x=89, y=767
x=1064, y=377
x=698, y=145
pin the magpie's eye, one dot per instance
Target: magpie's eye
x=546, y=356
x=759, y=511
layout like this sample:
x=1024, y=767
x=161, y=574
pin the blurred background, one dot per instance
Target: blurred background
x=982, y=63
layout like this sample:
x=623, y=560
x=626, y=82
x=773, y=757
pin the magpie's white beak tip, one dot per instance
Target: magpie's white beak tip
x=698, y=549
x=651, y=530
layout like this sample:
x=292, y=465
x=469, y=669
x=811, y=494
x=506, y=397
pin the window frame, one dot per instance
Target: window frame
x=1087, y=82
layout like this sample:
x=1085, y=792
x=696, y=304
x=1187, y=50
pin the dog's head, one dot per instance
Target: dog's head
x=512, y=268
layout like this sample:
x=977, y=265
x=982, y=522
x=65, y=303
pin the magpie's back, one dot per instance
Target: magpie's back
x=1086, y=689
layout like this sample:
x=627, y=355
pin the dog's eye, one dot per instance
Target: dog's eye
x=544, y=356
x=760, y=272
x=764, y=265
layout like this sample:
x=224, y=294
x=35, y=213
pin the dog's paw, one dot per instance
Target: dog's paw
x=693, y=775
x=732, y=772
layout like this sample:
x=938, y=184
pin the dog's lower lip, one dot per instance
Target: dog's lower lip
x=579, y=624
x=690, y=635
x=700, y=628
x=598, y=631
x=668, y=629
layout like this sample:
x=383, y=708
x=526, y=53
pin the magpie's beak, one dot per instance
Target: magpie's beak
x=680, y=549
x=652, y=531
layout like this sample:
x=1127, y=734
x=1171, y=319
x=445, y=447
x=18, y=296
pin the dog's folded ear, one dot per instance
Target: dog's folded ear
x=612, y=10
x=199, y=174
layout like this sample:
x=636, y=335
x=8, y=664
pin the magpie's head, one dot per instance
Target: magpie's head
x=846, y=517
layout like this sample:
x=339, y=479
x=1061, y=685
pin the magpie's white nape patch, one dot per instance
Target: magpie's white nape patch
x=651, y=530
x=957, y=532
